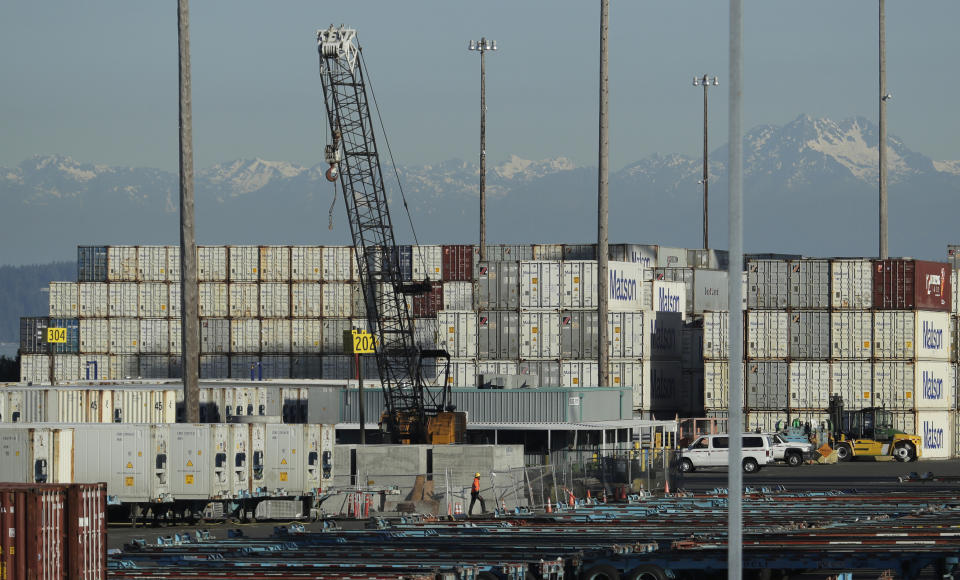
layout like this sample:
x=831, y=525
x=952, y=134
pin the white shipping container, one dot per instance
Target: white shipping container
x=337, y=299
x=306, y=366
x=457, y=333
x=893, y=385
x=214, y=366
x=425, y=333
x=765, y=421
x=93, y=300
x=154, y=366
x=716, y=385
x=244, y=300
x=671, y=257
x=154, y=336
x=214, y=299
x=306, y=263
x=212, y=263
x=121, y=263
x=933, y=386
x=852, y=381
x=539, y=335
x=913, y=335
x=176, y=300
x=663, y=335
x=338, y=264
x=95, y=367
x=274, y=300
x=579, y=373
x=306, y=299
x=173, y=263
x=122, y=299
x=176, y=336
x=427, y=263
x=337, y=367
x=669, y=297
x=458, y=295
x=934, y=429
x=245, y=367
x=124, y=336
x=548, y=251
x=629, y=373
x=215, y=335
x=64, y=299
x=497, y=367
x=245, y=335
x=625, y=288
x=850, y=335
x=357, y=300
x=66, y=368
x=306, y=336
x=716, y=335
x=275, y=366
x=626, y=334
x=275, y=335
x=767, y=334
x=710, y=292
x=809, y=385
x=461, y=373
x=579, y=284
x=152, y=263
x=851, y=284
x=540, y=284
x=94, y=335
x=154, y=299
x=275, y=263
x=244, y=263
x=34, y=368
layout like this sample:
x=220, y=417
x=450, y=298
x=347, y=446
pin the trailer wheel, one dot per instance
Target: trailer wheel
x=647, y=572
x=600, y=572
x=904, y=452
x=844, y=452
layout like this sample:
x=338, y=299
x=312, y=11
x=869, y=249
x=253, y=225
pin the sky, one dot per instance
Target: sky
x=98, y=80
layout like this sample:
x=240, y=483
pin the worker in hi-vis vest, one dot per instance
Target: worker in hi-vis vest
x=475, y=495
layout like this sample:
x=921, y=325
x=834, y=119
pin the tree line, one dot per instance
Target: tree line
x=25, y=291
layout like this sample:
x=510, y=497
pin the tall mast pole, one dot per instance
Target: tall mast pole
x=603, y=212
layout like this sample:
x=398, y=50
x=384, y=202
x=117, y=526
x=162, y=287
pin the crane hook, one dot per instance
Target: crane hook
x=333, y=172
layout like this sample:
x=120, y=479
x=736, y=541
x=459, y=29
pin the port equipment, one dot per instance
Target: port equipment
x=353, y=159
x=870, y=433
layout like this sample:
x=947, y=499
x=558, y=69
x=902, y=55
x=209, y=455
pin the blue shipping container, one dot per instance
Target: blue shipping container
x=91, y=263
x=33, y=335
x=72, y=346
x=403, y=257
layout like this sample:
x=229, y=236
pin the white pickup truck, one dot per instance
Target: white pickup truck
x=793, y=453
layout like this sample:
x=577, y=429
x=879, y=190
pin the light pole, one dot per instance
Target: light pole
x=482, y=46
x=707, y=82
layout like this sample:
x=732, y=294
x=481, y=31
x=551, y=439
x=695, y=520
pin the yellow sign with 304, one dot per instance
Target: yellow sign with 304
x=57, y=335
x=362, y=342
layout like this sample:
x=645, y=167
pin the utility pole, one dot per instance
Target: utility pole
x=884, y=249
x=707, y=83
x=188, y=246
x=603, y=210
x=483, y=45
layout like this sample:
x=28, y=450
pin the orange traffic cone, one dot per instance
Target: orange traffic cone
x=573, y=500
x=588, y=497
x=503, y=505
x=549, y=507
x=458, y=511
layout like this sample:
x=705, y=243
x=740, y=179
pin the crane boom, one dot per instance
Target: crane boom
x=353, y=158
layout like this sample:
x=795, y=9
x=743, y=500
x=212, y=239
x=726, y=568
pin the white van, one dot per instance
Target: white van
x=713, y=451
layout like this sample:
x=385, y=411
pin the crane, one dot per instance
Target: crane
x=414, y=414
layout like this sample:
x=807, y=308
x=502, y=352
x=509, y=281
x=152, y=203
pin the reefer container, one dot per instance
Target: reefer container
x=275, y=335
x=133, y=459
x=629, y=373
x=457, y=296
x=122, y=299
x=275, y=300
x=319, y=455
x=245, y=335
x=579, y=284
x=427, y=263
x=154, y=299
x=154, y=366
x=306, y=300
x=282, y=467
x=152, y=263
x=66, y=368
x=33, y=335
x=934, y=429
x=214, y=335
x=547, y=372
x=810, y=284
x=498, y=285
x=333, y=329
x=540, y=285
x=579, y=338
x=176, y=304
x=190, y=468
x=94, y=301
x=306, y=336
x=498, y=333
x=338, y=264
x=459, y=373
x=64, y=299
x=809, y=385
x=337, y=367
x=539, y=335
x=245, y=367
x=214, y=299
x=35, y=368
x=124, y=366
x=767, y=384
x=914, y=335
x=852, y=380
x=154, y=336
x=306, y=263
x=244, y=263
x=275, y=263
x=122, y=263
x=851, y=334
x=337, y=299
x=429, y=303
x=911, y=284
x=716, y=385
x=768, y=284
x=497, y=367
x=124, y=335
x=625, y=331
x=91, y=263
x=767, y=334
x=579, y=373
x=625, y=286
x=810, y=334
x=244, y=300
x=212, y=263
x=457, y=332
x=457, y=263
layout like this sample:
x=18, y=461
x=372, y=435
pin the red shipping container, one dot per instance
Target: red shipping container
x=87, y=531
x=40, y=532
x=457, y=263
x=426, y=305
x=911, y=285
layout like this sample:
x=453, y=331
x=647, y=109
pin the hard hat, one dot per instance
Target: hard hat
x=477, y=475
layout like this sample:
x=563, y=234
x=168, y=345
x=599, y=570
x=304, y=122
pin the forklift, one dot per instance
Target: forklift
x=869, y=433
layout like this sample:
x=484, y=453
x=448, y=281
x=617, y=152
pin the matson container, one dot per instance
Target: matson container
x=244, y=300
x=337, y=299
x=539, y=335
x=306, y=336
x=275, y=263
x=306, y=300
x=911, y=284
x=934, y=429
x=429, y=303
x=691, y=347
x=625, y=287
x=645, y=255
x=540, y=285
x=93, y=300
x=498, y=333
x=152, y=263
x=579, y=284
x=810, y=284
x=244, y=263
x=810, y=334
x=579, y=373
x=669, y=297
x=124, y=336
x=122, y=299
x=851, y=334
x=427, y=263
x=663, y=333
x=154, y=299
x=809, y=385
x=274, y=300
x=214, y=299
x=214, y=335
x=122, y=263
x=767, y=334
x=716, y=335
x=851, y=380
x=579, y=251
x=64, y=299
x=212, y=263
x=245, y=335
x=306, y=263
x=498, y=285
x=913, y=335
x=768, y=284
x=767, y=384
x=457, y=332
x=665, y=387
x=457, y=263
x=457, y=296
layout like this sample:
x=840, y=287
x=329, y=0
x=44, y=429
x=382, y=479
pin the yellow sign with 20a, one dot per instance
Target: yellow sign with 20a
x=57, y=335
x=363, y=342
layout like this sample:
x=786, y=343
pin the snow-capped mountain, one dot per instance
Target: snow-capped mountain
x=810, y=187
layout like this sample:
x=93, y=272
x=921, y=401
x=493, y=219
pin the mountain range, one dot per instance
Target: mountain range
x=810, y=187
